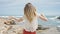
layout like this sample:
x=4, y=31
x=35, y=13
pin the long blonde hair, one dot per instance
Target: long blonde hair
x=29, y=11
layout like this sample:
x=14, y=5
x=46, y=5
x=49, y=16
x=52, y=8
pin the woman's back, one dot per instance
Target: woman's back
x=31, y=26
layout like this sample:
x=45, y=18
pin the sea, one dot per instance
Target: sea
x=52, y=21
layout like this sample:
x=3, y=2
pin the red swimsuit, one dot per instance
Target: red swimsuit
x=26, y=32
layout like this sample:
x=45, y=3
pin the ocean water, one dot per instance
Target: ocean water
x=50, y=22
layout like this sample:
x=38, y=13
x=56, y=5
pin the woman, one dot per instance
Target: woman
x=30, y=19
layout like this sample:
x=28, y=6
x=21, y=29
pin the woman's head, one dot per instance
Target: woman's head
x=29, y=11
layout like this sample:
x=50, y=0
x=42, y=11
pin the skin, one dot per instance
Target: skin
x=43, y=17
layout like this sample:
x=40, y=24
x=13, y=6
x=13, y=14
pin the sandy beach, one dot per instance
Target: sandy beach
x=18, y=29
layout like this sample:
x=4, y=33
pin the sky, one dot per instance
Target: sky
x=16, y=7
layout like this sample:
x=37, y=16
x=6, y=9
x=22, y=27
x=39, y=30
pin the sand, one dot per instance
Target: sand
x=17, y=29
x=52, y=30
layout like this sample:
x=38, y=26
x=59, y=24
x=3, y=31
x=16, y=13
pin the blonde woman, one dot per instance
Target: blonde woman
x=30, y=19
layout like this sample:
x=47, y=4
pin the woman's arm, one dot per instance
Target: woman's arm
x=18, y=20
x=43, y=17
